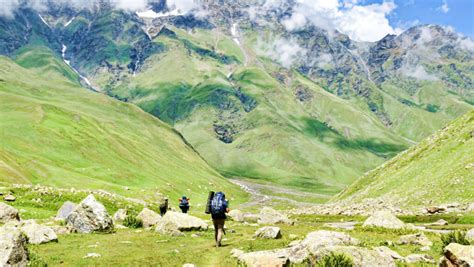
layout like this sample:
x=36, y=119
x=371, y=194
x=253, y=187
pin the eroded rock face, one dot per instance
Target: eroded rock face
x=268, y=232
x=37, y=233
x=65, y=210
x=13, y=251
x=8, y=213
x=149, y=218
x=415, y=239
x=270, y=216
x=457, y=255
x=90, y=216
x=182, y=222
x=384, y=219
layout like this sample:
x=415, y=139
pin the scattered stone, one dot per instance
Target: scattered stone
x=236, y=215
x=384, y=219
x=9, y=198
x=149, y=218
x=414, y=258
x=425, y=248
x=457, y=255
x=439, y=222
x=37, y=233
x=65, y=210
x=434, y=210
x=120, y=215
x=360, y=256
x=90, y=216
x=91, y=255
x=415, y=239
x=385, y=251
x=470, y=236
x=342, y=225
x=268, y=232
x=13, y=251
x=271, y=216
x=8, y=213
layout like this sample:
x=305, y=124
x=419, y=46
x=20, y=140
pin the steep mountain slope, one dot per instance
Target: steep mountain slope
x=438, y=170
x=316, y=117
x=56, y=133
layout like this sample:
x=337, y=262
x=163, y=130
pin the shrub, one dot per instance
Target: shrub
x=132, y=222
x=335, y=260
x=454, y=237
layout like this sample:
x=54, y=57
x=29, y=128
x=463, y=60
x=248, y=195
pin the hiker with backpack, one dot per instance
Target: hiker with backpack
x=163, y=206
x=218, y=207
x=184, y=204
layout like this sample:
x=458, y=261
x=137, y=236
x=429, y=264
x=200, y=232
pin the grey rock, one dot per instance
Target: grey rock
x=9, y=198
x=277, y=258
x=361, y=257
x=8, y=213
x=415, y=239
x=174, y=221
x=384, y=219
x=439, y=222
x=470, y=236
x=13, y=250
x=90, y=216
x=236, y=215
x=268, y=232
x=120, y=215
x=457, y=255
x=387, y=252
x=37, y=233
x=414, y=258
x=270, y=216
x=65, y=210
x=149, y=218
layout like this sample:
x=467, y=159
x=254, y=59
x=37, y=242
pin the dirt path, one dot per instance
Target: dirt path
x=259, y=198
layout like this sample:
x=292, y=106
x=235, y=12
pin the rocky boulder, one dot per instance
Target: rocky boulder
x=236, y=215
x=457, y=255
x=419, y=258
x=439, y=222
x=9, y=198
x=470, y=236
x=90, y=216
x=270, y=216
x=268, y=232
x=415, y=239
x=120, y=215
x=270, y=258
x=360, y=256
x=387, y=252
x=168, y=228
x=65, y=210
x=384, y=219
x=8, y=213
x=13, y=251
x=149, y=218
x=183, y=222
x=37, y=233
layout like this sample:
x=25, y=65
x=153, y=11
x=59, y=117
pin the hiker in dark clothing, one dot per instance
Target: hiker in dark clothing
x=219, y=208
x=164, y=206
x=184, y=204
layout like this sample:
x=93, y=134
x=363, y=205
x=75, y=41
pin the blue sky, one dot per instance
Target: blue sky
x=456, y=13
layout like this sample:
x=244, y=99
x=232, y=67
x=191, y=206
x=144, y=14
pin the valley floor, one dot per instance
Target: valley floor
x=142, y=247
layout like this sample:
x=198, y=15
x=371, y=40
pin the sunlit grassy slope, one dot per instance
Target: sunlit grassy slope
x=320, y=143
x=438, y=170
x=56, y=133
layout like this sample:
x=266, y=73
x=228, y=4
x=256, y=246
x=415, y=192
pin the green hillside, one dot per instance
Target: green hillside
x=53, y=132
x=438, y=170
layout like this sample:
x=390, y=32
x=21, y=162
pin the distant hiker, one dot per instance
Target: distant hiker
x=184, y=204
x=164, y=206
x=219, y=207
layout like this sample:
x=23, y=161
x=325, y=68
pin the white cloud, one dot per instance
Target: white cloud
x=444, y=7
x=360, y=22
x=7, y=7
x=131, y=5
x=284, y=51
x=418, y=72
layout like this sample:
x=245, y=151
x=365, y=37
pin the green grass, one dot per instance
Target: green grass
x=438, y=170
x=56, y=133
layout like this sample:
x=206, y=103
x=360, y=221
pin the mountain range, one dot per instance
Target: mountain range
x=307, y=108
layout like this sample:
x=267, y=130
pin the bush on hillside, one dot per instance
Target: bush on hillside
x=132, y=222
x=335, y=260
x=454, y=237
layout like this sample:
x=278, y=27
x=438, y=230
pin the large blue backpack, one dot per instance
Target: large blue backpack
x=184, y=202
x=218, y=203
